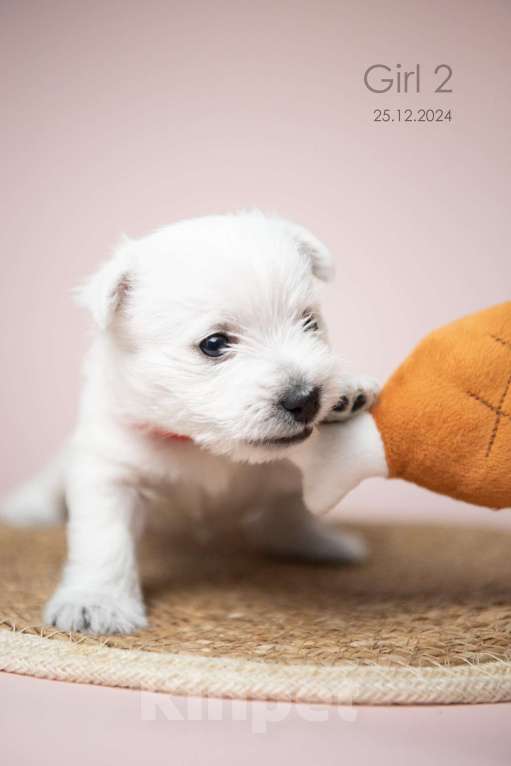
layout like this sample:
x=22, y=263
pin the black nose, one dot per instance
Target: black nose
x=301, y=403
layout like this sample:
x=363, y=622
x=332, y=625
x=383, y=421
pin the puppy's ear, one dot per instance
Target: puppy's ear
x=312, y=248
x=106, y=291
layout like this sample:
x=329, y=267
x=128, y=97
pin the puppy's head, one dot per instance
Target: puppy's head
x=213, y=331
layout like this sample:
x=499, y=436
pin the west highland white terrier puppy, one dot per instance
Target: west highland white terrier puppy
x=210, y=364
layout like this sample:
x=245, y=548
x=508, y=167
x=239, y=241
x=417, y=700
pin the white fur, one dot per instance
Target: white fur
x=40, y=500
x=248, y=275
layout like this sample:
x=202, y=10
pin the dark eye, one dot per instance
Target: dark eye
x=310, y=323
x=215, y=345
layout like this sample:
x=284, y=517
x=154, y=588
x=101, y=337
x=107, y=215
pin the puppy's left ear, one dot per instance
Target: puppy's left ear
x=106, y=291
x=312, y=248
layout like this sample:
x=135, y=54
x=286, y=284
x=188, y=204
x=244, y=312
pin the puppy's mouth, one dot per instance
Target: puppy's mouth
x=283, y=441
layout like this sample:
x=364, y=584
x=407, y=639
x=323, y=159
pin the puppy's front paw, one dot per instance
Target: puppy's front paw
x=358, y=395
x=94, y=612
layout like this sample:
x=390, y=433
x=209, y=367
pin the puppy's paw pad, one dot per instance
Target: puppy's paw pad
x=96, y=613
x=359, y=395
x=342, y=405
x=359, y=403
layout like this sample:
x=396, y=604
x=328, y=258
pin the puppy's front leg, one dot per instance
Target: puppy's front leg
x=99, y=591
x=358, y=393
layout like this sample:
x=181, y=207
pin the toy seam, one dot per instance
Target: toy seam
x=499, y=412
x=502, y=341
x=491, y=407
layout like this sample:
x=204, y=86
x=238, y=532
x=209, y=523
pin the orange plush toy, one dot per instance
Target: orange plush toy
x=443, y=421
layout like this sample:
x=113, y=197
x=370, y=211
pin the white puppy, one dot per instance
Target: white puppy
x=210, y=362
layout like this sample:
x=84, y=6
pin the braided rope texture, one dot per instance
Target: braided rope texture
x=426, y=621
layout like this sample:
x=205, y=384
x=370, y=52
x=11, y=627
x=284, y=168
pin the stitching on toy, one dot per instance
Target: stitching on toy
x=502, y=341
x=491, y=407
x=499, y=412
x=498, y=418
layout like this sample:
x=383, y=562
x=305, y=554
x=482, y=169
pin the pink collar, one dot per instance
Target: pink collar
x=161, y=434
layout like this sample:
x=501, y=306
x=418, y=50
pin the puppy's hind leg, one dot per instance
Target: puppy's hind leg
x=40, y=500
x=286, y=529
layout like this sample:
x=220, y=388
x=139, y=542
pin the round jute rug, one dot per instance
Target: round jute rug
x=426, y=620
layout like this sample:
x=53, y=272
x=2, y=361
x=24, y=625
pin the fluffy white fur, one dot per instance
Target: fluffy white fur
x=255, y=279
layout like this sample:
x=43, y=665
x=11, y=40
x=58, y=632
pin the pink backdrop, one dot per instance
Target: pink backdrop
x=122, y=116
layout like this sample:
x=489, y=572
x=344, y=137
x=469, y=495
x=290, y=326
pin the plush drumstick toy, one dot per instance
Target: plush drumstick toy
x=443, y=421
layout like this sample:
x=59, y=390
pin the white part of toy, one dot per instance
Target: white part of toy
x=336, y=458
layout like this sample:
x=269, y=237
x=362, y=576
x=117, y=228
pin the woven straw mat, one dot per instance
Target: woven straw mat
x=426, y=620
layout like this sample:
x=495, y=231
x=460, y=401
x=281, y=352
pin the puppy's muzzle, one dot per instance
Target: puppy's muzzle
x=302, y=404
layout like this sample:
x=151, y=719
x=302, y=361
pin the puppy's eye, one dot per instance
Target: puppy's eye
x=310, y=323
x=215, y=345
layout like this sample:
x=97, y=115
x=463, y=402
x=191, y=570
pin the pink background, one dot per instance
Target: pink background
x=45, y=721
x=120, y=116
